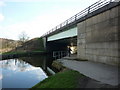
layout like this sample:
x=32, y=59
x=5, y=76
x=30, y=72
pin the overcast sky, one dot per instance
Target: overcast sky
x=36, y=17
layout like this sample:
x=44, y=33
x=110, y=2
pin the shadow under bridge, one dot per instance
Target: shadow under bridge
x=60, y=46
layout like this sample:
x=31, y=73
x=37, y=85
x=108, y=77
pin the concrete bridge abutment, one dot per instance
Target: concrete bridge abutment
x=98, y=37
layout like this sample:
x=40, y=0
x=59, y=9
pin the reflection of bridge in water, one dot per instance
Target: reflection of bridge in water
x=36, y=61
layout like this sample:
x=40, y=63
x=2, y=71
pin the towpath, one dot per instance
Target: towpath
x=101, y=72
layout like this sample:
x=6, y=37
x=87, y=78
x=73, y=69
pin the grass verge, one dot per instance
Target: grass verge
x=66, y=79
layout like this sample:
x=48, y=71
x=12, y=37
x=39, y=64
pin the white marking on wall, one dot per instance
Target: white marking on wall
x=65, y=34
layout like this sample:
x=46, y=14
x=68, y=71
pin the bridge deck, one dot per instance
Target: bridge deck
x=94, y=9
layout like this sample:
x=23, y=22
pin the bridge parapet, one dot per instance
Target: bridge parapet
x=81, y=15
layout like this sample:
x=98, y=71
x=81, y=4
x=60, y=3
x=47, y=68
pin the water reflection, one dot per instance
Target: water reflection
x=0, y=79
x=18, y=73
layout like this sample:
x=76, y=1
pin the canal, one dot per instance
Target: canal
x=23, y=72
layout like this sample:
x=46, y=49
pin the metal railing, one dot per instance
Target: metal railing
x=59, y=54
x=81, y=14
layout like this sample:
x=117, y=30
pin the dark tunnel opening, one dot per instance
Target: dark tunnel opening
x=61, y=44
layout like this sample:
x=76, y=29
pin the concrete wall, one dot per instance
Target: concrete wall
x=98, y=37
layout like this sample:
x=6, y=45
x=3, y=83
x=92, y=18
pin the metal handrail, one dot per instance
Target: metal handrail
x=90, y=9
x=59, y=54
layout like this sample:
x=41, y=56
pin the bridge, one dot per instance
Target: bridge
x=94, y=31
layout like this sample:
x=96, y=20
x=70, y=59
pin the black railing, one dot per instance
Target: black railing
x=59, y=54
x=81, y=14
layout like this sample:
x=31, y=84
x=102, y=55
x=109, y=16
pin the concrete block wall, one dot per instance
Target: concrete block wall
x=98, y=37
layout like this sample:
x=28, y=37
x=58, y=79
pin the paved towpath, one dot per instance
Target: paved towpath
x=101, y=72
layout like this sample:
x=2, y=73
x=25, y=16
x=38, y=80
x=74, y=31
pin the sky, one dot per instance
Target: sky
x=36, y=17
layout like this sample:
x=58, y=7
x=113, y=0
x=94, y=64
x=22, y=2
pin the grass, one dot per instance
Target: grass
x=41, y=41
x=66, y=79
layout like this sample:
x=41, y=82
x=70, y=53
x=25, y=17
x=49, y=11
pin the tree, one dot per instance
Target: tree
x=23, y=37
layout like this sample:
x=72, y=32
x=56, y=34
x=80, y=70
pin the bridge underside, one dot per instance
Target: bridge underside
x=61, y=45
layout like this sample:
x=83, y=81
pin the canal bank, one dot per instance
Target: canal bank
x=66, y=79
x=80, y=82
x=98, y=71
x=10, y=55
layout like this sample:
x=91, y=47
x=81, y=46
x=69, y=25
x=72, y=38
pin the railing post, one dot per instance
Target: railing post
x=66, y=22
x=75, y=17
x=88, y=9
x=110, y=1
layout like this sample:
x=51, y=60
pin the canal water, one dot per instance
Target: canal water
x=23, y=72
